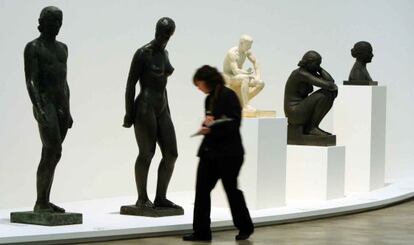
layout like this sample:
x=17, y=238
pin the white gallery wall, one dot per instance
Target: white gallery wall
x=102, y=36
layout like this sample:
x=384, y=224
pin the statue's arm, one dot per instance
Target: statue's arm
x=67, y=90
x=325, y=75
x=316, y=81
x=133, y=77
x=232, y=59
x=31, y=69
x=166, y=99
x=169, y=70
x=256, y=65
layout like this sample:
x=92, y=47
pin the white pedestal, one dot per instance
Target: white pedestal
x=263, y=174
x=315, y=172
x=359, y=124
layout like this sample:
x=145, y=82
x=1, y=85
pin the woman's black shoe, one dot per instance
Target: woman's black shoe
x=243, y=235
x=195, y=237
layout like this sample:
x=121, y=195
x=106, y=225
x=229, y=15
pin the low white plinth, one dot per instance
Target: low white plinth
x=263, y=175
x=359, y=124
x=315, y=172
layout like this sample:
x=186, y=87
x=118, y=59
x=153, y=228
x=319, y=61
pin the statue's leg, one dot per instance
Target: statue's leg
x=322, y=106
x=63, y=118
x=240, y=84
x=244, y=91
x=168, y=145
x=234, y=84
x=302, y=114
x=254, y=90
x=145, y=126
x=51, y=152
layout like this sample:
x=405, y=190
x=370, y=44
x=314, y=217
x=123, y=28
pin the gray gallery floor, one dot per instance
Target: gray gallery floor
x=392, y=225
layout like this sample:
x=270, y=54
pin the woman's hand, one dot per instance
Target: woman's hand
x=203, y=131
x=208, y=120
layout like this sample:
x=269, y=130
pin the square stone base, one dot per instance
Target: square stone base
x=361, y=83
x=329, y=140
x=150, y=212
x=48, y=219
x=295, y=136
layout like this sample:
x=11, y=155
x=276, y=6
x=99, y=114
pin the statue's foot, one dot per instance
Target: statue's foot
x=165, y=203
x=327, y=133
x=42, y=208
x=317, y=132
x=249, y=108
x=144, y=204
x=56, y=208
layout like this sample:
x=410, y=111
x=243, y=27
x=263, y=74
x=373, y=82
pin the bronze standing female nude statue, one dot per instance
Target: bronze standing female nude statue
x=150, y=114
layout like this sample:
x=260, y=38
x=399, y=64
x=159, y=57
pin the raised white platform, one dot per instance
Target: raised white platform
x=315, y=172
x=103, y=222
x=263, y=175
x=359, y=124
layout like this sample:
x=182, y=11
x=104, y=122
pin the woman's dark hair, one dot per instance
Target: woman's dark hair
x=210, y=75
x=214, y=81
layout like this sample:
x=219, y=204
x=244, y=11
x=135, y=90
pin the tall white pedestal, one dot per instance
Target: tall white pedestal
x=263, y=175
x=359, y=124
x=315, y=172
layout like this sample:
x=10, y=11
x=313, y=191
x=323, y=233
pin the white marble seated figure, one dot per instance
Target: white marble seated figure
x=247, y=83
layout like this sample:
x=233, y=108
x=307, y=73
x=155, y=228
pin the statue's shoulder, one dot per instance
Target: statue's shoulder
x=233, y=53
x=145, y=50
x=303, y=73
x=62, y=45
x=358, y=66
x=32, y=46
x=299, y=72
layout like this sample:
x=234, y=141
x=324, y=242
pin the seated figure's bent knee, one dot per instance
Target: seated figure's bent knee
x=260, y=84
x=245, y=82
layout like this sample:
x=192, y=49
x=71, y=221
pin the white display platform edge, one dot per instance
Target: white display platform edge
x=103, y=222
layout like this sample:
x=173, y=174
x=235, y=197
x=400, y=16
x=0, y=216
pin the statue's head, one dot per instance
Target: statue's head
x=311, y=61
x=50, y=21
x=245, y=43
x=164, y=30
x=362, y=51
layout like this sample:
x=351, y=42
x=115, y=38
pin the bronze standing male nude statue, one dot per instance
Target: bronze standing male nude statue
x=150, y=115
x=45, y=69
